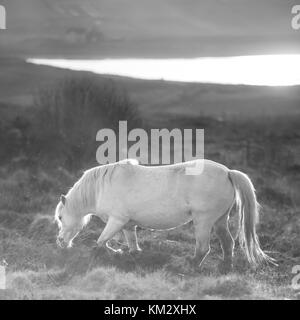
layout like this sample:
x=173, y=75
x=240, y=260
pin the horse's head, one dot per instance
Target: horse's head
x=69, y=223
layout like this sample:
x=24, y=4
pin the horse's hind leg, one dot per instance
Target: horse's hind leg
x=227, y=243
x=202, y=228
x=131, y=238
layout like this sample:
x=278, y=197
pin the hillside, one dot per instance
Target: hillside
x=19, y=82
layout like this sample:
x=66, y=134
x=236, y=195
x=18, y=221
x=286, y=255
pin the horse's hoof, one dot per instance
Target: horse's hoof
x=114, y=252
x=119, y=251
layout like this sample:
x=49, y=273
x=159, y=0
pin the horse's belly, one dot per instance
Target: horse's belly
x=161, y=219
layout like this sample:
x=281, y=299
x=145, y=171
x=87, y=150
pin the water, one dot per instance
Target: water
x=267, y=70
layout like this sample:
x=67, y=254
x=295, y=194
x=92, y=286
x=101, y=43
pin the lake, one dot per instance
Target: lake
x=260, y=70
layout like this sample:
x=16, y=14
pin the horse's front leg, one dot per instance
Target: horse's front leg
x=113, y=226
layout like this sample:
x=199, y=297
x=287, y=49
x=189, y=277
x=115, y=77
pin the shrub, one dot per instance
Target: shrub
x=70, y=112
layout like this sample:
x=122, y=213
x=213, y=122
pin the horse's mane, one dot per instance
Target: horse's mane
x=83, y=193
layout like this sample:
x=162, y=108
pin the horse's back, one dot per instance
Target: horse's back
x=165, y=196
x=171, y=179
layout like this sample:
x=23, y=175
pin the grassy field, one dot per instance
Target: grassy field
x=38, y=269
x=255, y=130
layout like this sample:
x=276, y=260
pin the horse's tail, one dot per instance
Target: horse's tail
x=248, y=209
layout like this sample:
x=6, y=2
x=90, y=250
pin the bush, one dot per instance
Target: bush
x=69, y=114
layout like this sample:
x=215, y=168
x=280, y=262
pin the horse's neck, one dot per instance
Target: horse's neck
x=84, y=195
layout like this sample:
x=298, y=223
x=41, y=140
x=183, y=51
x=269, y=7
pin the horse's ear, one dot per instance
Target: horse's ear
x=63, y=199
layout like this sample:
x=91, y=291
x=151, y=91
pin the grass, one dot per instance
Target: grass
x=38, y=269
x=111, y=283
x=160, y=272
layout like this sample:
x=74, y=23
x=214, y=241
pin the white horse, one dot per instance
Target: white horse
x=126, y=194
